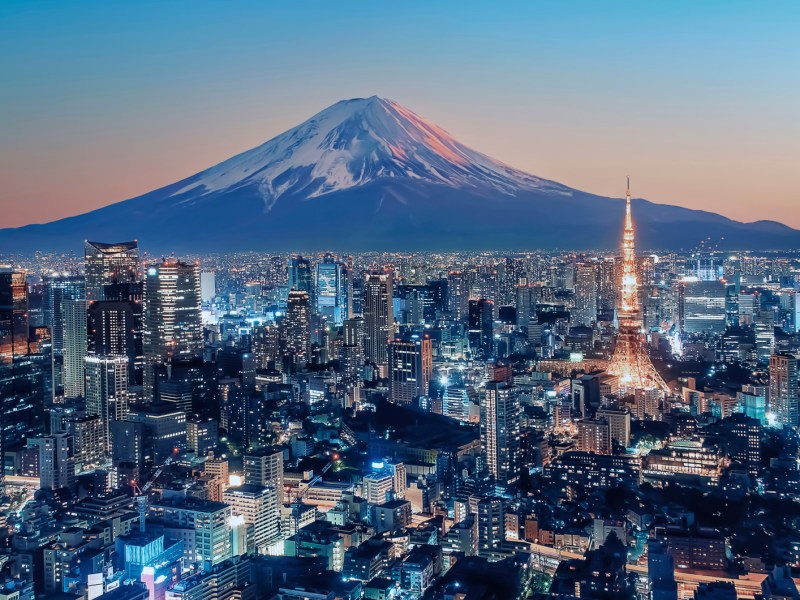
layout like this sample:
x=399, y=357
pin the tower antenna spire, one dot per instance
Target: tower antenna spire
x=631, y=360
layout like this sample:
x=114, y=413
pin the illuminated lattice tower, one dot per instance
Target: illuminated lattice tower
x=631, y=361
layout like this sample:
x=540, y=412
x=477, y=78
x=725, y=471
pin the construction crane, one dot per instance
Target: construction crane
x=141, y=494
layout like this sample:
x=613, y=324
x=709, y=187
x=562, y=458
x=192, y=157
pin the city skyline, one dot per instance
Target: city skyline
x=348, y=345
x=707, y=93
x=476, y=406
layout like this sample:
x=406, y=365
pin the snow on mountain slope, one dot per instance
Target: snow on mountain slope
x=354, y=142
x=379, y=177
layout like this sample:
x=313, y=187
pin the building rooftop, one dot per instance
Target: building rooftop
x=114, y=247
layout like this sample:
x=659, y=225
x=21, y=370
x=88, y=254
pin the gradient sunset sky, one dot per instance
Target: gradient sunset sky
x=698, y=101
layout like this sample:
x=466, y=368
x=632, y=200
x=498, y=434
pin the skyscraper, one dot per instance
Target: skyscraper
x=172, y=325
x=702, y=307
x=114, y=292
x=458, y=289
x=20, y=409
x=75, y=346
x=299, y=275
x=265, y=342
x=56, y=288
x=527, y=297
x=114, y=329
x=753, y=402
x=297, y=325
x=378, y=318
x=631, y=361
x=499, y=431
x=410, y=369
x=351, y=353
x=764, y=327
x=585, y=312
x=487, y=284
x=109, y=263
x=607, y=284
x=107, y=392
x=481, y=326
x=332, y=290
x=13, y=315
x=783, y=393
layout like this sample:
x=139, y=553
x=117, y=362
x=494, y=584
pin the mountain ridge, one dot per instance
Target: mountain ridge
x=370, y=174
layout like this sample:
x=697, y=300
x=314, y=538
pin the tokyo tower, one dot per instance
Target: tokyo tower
x=631, y=361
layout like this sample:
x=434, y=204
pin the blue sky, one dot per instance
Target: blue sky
x=699, y=102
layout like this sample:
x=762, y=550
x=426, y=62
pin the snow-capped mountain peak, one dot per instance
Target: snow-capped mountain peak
x=354, y=142
x=368, y=174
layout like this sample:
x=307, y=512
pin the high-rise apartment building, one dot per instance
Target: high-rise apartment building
x=410, y=369
x=258, y=506
x=297, y=325
x=594, y=436
x=107, y=391
x=499, y=431
x=783, y=393
x=56, y=461
x=206, y=523
x=265, y=468
x=513, y=272
x=491, y=527
x=619, y=424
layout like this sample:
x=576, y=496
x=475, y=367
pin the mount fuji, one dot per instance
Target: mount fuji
x=369, y=174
